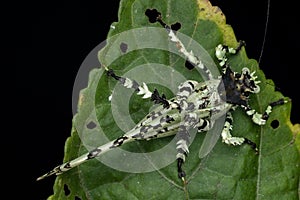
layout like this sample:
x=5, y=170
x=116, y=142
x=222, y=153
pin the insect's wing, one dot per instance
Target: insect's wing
x=211, y=137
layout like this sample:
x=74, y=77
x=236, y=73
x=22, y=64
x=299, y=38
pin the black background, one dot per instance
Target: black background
x=48, y=42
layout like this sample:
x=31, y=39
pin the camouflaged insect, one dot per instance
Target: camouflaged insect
x=192, y=107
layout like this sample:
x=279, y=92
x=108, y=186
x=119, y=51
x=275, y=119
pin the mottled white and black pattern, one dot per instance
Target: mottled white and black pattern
x=192, y=107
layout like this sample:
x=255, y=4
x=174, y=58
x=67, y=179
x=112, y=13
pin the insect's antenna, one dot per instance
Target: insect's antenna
x=265, y=33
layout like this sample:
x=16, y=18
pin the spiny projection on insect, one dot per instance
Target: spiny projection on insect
x=196, y=105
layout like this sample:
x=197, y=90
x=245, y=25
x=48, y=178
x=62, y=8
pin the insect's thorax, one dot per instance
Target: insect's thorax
x=205, y=100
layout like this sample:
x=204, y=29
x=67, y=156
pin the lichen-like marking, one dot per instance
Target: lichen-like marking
x=92, y=154
x=226, y=136
x=118, y=142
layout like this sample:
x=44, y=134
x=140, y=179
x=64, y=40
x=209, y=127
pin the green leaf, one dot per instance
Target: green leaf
x=227, y=172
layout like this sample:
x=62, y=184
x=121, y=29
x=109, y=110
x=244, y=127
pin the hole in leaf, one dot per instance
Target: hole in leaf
x=91, y=125
x=77, y=198
x=152, y=14
x=275, y=124
x=66, y=189
x=176, y=26
x=189, y=65
x=123, y=47
x=155, y=16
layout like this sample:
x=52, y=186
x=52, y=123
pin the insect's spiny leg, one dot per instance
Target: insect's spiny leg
x=131, y=84
x=143, y=90
x=229, y=139
x=222, y=50
x=183, y=137
x=181, y=173
x=261, y=119
x=189, y=120
x=160, y=99
x=155, y=16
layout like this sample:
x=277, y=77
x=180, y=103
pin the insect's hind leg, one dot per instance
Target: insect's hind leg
x=183, y=137
x=131, y=84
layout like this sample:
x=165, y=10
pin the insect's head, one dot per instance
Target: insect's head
x=246, y=82
x=238, y=86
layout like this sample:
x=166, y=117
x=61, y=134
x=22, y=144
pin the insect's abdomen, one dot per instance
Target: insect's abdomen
x=159, y=123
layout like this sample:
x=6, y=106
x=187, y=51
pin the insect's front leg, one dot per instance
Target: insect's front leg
x=261, y=119
x=222, y=50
